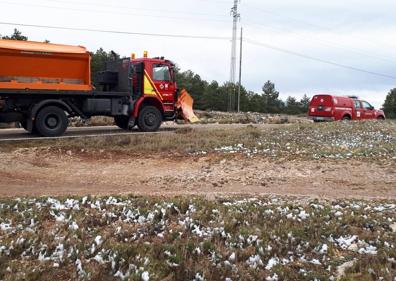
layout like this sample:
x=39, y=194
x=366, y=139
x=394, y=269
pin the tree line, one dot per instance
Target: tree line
x=213, y=96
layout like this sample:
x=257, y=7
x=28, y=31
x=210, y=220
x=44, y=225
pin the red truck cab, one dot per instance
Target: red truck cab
x=324, y=107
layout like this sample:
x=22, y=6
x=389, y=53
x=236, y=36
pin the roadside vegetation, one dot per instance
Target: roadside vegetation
x=371, y=140
x=129, y=238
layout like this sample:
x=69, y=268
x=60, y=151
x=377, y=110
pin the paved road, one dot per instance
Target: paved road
x=11, y=135
x=8, y=135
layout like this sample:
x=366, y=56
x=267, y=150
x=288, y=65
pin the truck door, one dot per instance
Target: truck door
x=359, y=112
x=164, y=82
x=369, y=112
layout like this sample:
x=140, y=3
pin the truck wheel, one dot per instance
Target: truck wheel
x=346, y=118
x=122, y=122
x=150, y=119
x=381, y=118
x=51, y=121
x=23, y=124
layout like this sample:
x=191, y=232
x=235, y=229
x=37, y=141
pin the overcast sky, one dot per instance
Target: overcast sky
x=354, y=33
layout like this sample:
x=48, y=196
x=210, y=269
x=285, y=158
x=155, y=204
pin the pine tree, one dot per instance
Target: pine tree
x=390, y=104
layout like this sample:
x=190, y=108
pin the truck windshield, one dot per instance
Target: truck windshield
x=161, y=73
x=366, y=105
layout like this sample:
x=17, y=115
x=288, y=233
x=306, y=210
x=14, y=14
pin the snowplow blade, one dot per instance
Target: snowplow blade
x=185, y=107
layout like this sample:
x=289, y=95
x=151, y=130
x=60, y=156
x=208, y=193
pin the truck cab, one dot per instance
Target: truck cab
x=151, y=85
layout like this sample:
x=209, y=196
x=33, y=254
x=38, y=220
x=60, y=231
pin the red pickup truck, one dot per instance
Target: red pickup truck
x=325, y=107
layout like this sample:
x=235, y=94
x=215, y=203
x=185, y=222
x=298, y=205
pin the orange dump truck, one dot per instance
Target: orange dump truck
x=42, y=85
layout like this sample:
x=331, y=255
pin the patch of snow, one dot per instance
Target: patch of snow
x=324, y=249
x=271, y=263
x=315, y=261
x=198, y=277
x=345, y=242
x=303, y=215
x=73, y=226
x=272, y=278
x=5, y=226
x=371, y=250
x=80, y=270
x=338, y=214
x=145, y=276
x=98, y=240
x=254, y=261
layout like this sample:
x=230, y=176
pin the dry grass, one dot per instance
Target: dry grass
x=210, y=117
x=370, y=140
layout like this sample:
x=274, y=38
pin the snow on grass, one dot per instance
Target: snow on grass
x=132, y=238
x=338, y=140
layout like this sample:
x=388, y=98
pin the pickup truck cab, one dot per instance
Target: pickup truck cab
x=324, y=107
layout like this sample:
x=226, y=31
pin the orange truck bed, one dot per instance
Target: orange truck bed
x=44, y=66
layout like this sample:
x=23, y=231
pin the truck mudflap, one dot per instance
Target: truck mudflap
x=184, y=107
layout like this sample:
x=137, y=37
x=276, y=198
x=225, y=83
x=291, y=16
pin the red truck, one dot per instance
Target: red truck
x=325, y=107
x=42, y=85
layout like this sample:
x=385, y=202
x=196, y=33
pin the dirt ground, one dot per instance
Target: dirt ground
x=34, y=172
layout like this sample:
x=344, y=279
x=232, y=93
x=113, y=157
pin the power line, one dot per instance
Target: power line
x=274, y=14
x=113, y=12
x=247, y=40
x=117, y=7
x=296, y=20
x=117, y=32
x=332, y=44
x=253, y=42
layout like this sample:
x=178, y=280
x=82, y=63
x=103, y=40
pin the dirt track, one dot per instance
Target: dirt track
x=39, y=173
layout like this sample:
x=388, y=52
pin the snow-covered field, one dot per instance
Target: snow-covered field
x=338, y=140
x=136, y=238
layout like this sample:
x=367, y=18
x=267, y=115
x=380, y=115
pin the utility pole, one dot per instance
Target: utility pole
x=235, y=15
x=240, y=71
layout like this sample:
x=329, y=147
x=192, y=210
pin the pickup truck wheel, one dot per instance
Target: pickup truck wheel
x=150, y=119
x=122, y=122
x=381, y=118
x=51, y=121
x=346, y=118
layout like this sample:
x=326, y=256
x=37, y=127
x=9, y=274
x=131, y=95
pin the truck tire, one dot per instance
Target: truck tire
x=150, y=119
x=23, y=124
x=346, y=118
x=122, y=122
x=51, y=121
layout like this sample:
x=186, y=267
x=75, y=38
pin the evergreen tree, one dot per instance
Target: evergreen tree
x=304, y=103
x=17, y=35
x=271, y=98
x=292, y=106
x=99, y=60
x=390, y=104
